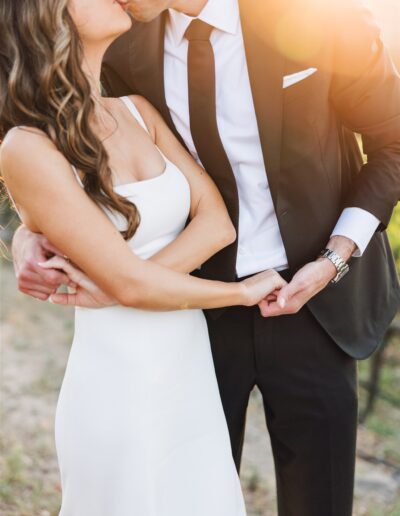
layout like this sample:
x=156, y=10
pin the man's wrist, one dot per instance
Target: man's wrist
x=329, y=268
x=342, y=246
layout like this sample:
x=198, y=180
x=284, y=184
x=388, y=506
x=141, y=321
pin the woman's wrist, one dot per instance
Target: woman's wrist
x=240, y=293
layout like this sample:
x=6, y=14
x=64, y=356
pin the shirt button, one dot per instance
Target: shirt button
x=241, y=249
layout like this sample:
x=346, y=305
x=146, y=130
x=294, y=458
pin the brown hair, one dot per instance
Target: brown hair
x=42, y=85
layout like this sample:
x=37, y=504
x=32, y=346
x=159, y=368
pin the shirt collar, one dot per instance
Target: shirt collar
x=221, y=14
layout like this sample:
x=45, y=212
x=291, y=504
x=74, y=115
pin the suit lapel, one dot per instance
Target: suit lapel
x=147, y=65
x=259, y=20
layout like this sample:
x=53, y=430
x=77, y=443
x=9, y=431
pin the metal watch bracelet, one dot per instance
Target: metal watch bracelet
x=341, y=266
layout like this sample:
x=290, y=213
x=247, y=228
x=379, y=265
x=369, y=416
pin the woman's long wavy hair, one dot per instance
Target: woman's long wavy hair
x=42, y=85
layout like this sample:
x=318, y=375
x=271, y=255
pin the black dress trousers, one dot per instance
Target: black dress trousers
x=309, y=390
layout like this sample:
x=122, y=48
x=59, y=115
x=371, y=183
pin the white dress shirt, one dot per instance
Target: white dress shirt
x=260, y=244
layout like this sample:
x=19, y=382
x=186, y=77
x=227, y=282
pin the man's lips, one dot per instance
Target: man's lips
x=122, y=3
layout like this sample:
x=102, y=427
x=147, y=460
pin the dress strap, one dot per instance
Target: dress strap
x=77, y=175
x=135, y=112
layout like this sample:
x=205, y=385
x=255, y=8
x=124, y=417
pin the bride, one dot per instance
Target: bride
x=140, y=428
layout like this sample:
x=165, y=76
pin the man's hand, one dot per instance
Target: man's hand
x=28, y=250
x=307, y=282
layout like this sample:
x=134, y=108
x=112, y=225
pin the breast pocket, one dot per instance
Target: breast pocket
x=299, y=84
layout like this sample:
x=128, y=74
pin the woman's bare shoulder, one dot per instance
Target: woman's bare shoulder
x=23, y=146
x=148, y=112
x=142, y=103
x=20, y=142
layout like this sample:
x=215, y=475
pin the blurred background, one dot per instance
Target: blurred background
x=35, y=339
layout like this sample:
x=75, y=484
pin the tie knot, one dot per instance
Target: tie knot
x=198, y=31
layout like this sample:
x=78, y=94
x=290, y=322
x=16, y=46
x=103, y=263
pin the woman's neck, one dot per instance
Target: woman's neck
x=104, y=122
x=92, y=62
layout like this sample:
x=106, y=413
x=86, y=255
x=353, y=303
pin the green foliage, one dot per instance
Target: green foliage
x=394, y=235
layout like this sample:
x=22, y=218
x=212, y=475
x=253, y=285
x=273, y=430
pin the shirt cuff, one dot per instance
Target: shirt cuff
x=359, y=225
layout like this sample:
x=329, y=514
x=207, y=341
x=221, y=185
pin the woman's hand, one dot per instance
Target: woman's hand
x=262, y=287
x=82, y=291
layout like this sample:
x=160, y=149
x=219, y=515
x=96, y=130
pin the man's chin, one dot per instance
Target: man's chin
x=142, y=17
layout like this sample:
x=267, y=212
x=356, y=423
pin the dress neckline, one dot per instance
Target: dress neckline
x=138, y=117
x=143, y=181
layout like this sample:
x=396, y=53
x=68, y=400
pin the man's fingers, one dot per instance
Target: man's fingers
x=263, y=306
x=63, y=299
x=271, y=309
x=287, y=293
x=37, y=295
x=32, y=281
x=33, y=273
x=51, y=276
x=274, y=309
x=23, y=286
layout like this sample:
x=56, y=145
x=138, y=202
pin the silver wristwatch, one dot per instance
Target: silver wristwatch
x=341, y=266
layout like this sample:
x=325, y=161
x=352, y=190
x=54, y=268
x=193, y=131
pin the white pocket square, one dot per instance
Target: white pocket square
x=294, y=78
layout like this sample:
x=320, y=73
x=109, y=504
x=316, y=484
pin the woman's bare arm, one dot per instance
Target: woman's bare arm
x=210, y=228
x=51, y=202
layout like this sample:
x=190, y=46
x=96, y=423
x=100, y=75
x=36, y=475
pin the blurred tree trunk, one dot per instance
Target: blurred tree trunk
x=376, y=363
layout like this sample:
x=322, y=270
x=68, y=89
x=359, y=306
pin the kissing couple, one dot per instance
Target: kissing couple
x=172, y=156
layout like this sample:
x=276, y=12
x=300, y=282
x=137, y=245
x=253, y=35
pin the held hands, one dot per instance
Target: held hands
x=307, y=282
x=262, y=287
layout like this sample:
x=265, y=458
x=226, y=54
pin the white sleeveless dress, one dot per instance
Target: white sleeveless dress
x=140, y=428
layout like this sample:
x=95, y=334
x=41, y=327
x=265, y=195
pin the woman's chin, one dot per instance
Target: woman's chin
x=124, y=25
x=128, y=23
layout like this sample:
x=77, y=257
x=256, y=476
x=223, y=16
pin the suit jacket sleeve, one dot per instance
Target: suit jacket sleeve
x=365, y=93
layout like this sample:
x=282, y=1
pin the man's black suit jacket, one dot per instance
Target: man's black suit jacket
x=314, y=166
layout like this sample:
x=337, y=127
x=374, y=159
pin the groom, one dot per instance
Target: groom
x=266, y=95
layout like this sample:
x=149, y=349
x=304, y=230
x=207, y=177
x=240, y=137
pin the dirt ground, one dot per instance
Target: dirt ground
x=35, y=339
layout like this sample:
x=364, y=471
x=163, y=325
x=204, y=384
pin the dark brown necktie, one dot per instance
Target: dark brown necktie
x=204, y=129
